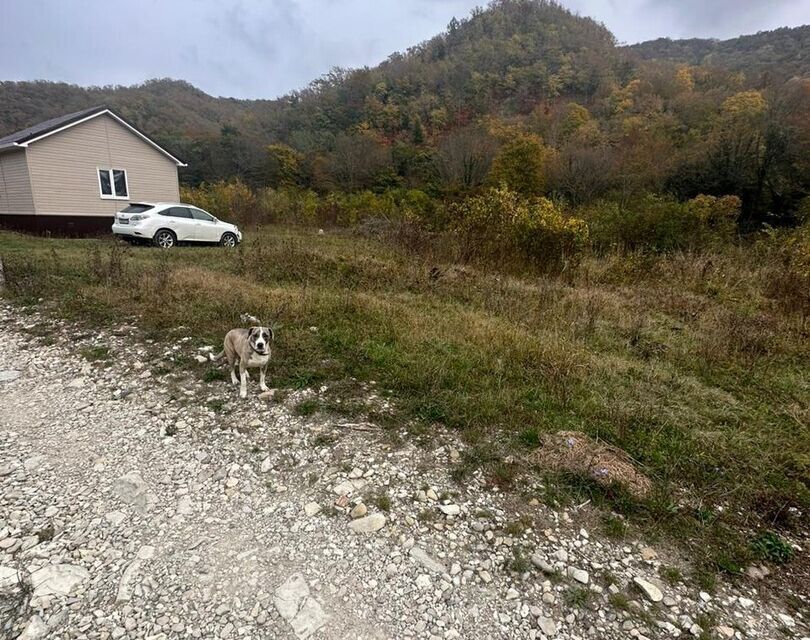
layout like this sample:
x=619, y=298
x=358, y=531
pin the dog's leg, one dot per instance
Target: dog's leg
x=262, y=384
x=234, y=379
x=243, y=377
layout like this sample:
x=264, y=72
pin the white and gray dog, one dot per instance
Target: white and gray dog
x=249, y=348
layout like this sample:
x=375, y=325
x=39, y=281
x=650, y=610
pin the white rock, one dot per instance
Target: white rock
x=184, y=506
x=35, y=630
x=146, y=552
x=745, y=603
x=115, y=517
x=7, y=375
x=132, y=489
x=358, y=511
x=652, y=592
x=547, y=626
x=450, y=509
x=343, y=489
x=426, y=560
x=9, y=576
x=423, y=581
x=580, y=575
x=58, y=579
x=369, y=524
x=302, y=612
x=126, y=584
x=786, y=620
x=311, y=508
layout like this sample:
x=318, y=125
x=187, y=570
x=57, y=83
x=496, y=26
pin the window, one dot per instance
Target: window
x=136, y=208
x=113, y=183
x=202, y=215
x=177, y=212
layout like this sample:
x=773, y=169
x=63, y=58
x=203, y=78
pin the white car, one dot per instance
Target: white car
x=167, y=223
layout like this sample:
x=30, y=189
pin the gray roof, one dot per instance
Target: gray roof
x=46, y=127
x=54, y=124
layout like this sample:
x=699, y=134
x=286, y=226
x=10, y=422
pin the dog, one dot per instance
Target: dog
x=249, y=348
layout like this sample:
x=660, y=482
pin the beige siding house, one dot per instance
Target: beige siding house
x=72, y=174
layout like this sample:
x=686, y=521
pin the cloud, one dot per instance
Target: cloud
x=265, y=48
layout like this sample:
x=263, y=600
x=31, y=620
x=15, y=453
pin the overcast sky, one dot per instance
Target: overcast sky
x=265, y=48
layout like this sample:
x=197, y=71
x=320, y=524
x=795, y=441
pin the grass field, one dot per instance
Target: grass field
x=695, y=365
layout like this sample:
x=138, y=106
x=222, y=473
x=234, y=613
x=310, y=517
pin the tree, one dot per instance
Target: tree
x=521, y=165
x=282, y=166
x=465, y=157
x=356, y=160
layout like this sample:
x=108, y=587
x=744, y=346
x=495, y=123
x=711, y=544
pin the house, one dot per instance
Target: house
x=71, y=174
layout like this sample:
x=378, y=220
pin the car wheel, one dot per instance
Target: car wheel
x=228, y=240
x=165, y=239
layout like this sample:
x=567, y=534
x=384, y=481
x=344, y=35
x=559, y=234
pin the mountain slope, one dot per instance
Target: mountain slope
x=616, y=111
x=783, y=52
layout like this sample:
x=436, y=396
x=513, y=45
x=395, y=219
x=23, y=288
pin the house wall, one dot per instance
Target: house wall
x=15, y=186
x=64, y=169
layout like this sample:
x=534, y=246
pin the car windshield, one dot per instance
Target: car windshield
x=137, y=208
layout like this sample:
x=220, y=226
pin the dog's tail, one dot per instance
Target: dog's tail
x=216, y=358
x=249, y=319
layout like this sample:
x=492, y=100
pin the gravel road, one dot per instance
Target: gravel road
x=137, y=501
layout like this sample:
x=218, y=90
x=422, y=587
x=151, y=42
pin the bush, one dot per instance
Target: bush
x=500, y=224
x=230, y=200
x=662, y=224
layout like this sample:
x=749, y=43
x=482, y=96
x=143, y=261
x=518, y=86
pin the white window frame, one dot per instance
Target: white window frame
x=109, y=171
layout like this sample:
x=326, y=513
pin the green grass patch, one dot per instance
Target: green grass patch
x=698, y=374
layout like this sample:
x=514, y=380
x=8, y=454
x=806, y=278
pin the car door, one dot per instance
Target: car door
x=180, y=220
x=206, y=225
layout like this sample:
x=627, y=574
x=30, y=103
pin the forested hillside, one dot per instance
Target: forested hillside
x=783, y=53
x=524, y=94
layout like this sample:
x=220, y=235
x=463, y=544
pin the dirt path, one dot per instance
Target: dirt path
x=237, y=524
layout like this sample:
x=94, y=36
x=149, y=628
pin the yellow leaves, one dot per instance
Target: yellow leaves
x=684, y=79
x=744, y=105
x=520, y=164
x=718, y=214
x=501, y=222
x=576, y=116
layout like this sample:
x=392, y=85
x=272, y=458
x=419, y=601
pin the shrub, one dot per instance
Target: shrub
x=661, y=223
x=231, y=200
x=499, y=225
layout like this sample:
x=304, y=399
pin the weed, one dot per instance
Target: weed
x=705, y=580
x=307, y=407
x=671, y=575
x=578, y=597
x=382, y=501
x=213, y=375
x=426, y=516
x=772, y=547
x=216, y=405
x=619, y=601
x=324, y=440
x=614, y=527
x=94, y=354
x=518, y=563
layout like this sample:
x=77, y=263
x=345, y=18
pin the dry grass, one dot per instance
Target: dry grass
x=687, y=363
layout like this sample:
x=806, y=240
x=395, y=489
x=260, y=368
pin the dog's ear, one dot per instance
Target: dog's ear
x=250, y=332
x=272, y=334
